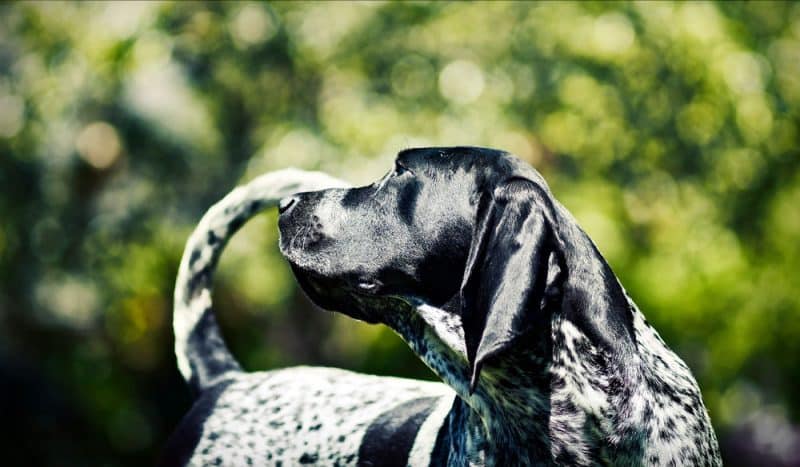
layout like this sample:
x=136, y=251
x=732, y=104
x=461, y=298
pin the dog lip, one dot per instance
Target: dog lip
x=336, y=299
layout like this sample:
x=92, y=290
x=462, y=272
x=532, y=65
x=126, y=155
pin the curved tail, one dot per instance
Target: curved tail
x=203, y=357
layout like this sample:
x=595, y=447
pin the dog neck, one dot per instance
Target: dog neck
x=555, y=379
x=502, y=409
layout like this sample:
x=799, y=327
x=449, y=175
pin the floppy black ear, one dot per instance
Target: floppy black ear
x=506, y=271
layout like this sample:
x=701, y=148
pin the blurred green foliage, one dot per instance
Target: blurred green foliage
x=670, y=130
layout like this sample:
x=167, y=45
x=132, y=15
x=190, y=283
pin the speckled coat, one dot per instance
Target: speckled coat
x=559, y=396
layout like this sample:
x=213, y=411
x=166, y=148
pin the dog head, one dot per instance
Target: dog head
x=474, y=231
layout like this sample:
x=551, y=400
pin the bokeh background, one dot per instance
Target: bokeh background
x=670, y=130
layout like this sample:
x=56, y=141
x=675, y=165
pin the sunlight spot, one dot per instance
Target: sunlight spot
x=252, y=25
x=159, y=92
x=124, y=19
x=754, y=118
x=742, y=72
x=319, y=27
x=613, y=34
x=69, y=301
x=12, y=116
x=737, y=167
x=461, y=81
x=99, y=145
x=701, y=20
x=699, y=121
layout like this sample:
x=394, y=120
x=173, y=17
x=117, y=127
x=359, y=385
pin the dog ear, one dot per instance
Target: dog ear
x=506, y=271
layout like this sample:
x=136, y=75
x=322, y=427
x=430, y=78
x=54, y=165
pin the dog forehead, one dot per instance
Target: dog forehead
x=489, y=166
x=467, y=157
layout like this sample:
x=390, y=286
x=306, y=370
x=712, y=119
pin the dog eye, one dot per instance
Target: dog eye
x=370, y=285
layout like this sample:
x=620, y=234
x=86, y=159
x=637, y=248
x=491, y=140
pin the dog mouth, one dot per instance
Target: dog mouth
x=328, y=275
x=334, y=294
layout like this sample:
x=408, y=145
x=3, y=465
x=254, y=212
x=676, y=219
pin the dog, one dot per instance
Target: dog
x=466, y=254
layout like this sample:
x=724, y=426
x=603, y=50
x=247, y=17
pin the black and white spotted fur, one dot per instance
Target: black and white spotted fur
x=294, y=416
x=571, y=375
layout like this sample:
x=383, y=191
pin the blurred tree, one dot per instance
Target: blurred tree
x=669, y=129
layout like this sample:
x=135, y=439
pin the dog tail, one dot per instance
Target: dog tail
x=203, y=358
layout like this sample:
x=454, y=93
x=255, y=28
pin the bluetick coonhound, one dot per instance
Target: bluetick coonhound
x=466, y=254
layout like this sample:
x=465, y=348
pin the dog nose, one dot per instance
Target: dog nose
x=286, y=203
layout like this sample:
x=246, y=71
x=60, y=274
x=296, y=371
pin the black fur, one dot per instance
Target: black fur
x=554, y=362
x=467, y=255
x=388, y=440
